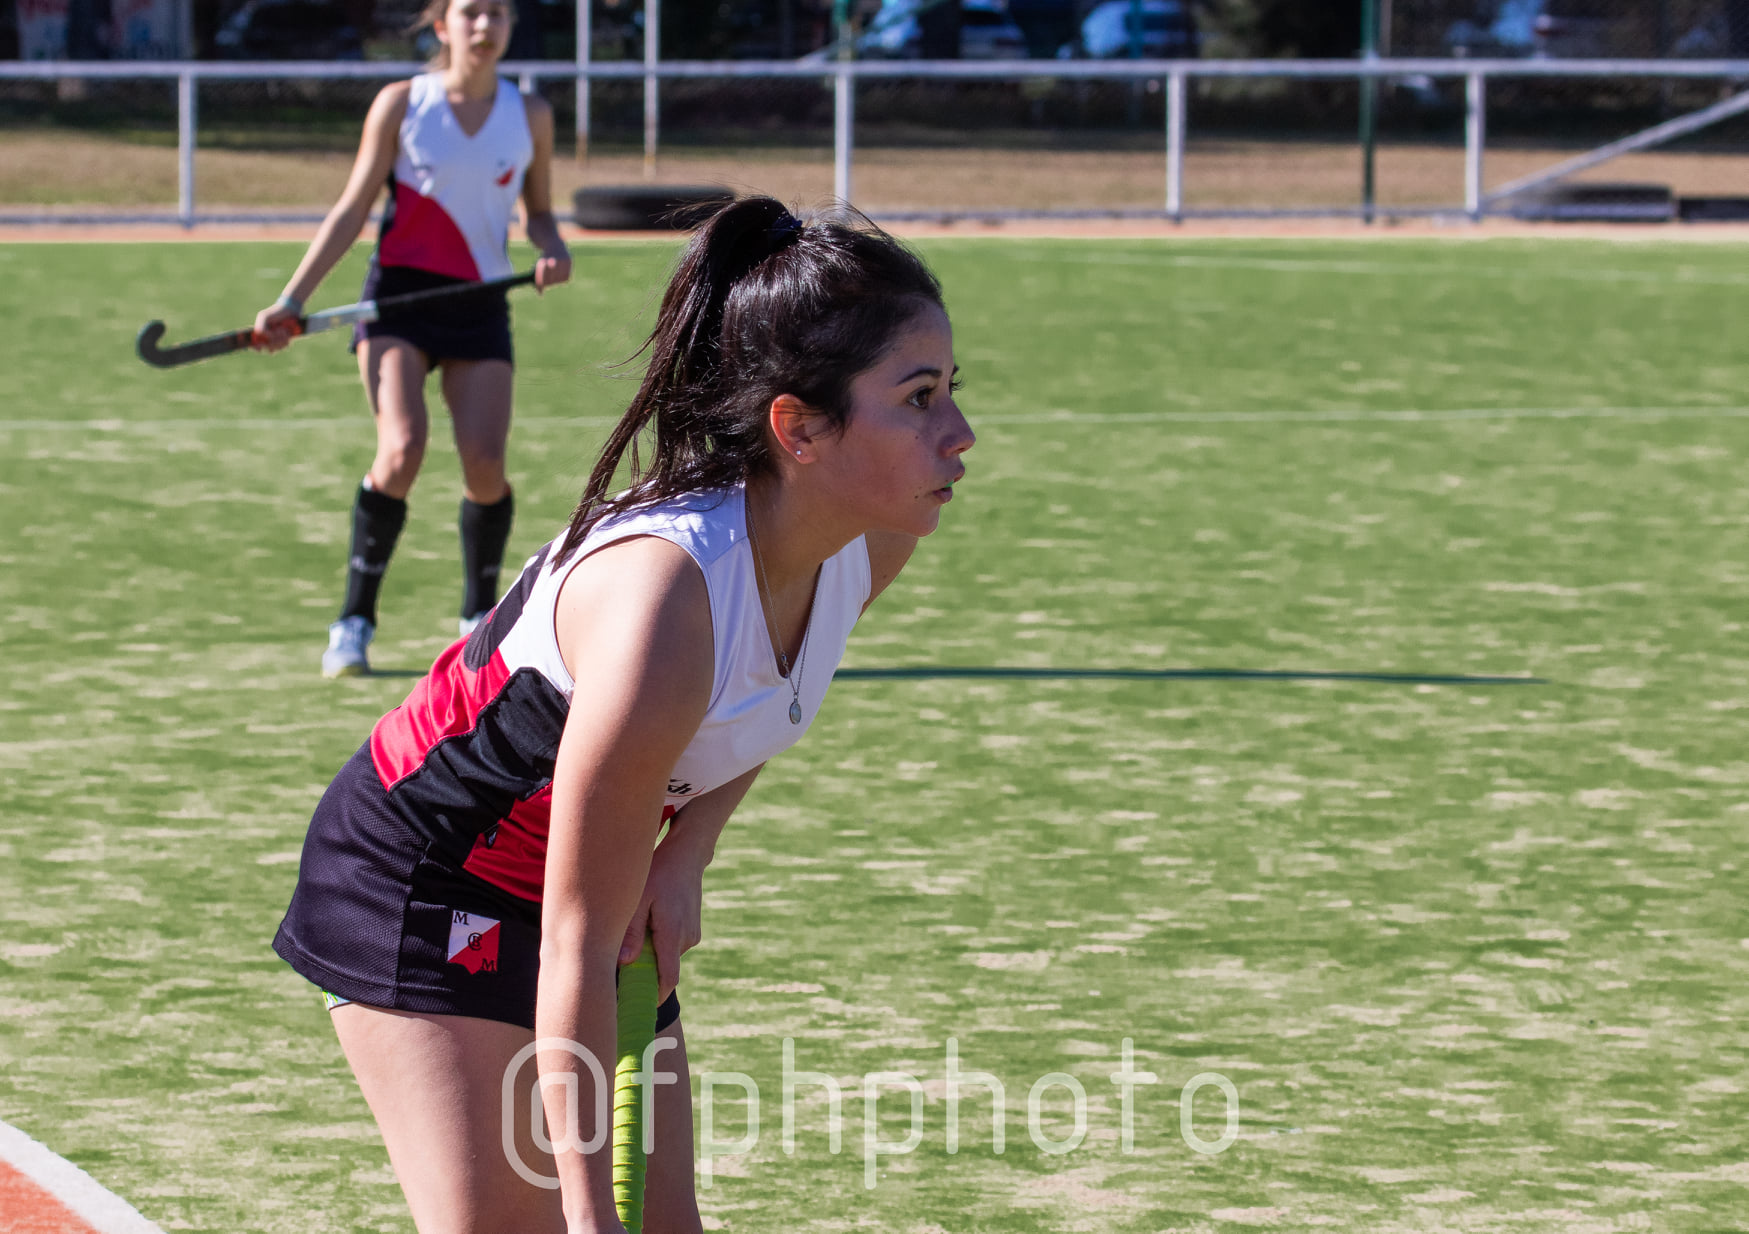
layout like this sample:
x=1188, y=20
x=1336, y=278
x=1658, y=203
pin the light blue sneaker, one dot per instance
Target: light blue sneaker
x=347, y=639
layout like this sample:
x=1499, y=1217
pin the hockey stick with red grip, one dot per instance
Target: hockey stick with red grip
x=327, y=319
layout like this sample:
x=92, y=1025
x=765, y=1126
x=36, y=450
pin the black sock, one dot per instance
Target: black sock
x=485, y=531
x=377, y=519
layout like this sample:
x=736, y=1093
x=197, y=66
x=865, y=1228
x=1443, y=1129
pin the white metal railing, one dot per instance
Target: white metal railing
x=844, y=74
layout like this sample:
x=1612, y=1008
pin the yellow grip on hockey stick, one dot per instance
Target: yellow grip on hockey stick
x=637, y=1029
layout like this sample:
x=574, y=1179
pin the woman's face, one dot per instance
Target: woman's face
x=896, y=461
x=475, y=29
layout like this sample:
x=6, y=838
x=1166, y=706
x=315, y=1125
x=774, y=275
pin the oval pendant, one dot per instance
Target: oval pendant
x=795, y=711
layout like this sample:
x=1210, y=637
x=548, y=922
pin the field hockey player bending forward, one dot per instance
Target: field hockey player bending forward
x=455, y=147
x=476, y=872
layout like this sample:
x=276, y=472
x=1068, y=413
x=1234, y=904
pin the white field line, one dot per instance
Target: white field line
x=256, y=425
x=1682, y=276
x=1345, y=416
x=1063, y=417
x=101, y=1209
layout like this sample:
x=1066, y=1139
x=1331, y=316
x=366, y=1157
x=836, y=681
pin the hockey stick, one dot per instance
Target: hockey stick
x=637, y=1029
x=327, y=319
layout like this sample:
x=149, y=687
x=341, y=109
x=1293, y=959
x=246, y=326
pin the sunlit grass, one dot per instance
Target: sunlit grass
x=1471, y=956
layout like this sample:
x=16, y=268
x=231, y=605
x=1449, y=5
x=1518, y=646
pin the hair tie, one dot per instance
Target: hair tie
x=784, y=228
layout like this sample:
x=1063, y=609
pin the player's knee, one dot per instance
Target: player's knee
x=484, y=472
x=487, y=484
x=399, y=462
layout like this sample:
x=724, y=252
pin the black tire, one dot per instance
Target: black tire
x=648, y=207
x=1713, y=209
x=1597, y=203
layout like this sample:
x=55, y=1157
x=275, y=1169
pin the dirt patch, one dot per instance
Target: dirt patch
x=70, y=170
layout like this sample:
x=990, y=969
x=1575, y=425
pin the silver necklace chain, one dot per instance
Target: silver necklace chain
x=795, y=678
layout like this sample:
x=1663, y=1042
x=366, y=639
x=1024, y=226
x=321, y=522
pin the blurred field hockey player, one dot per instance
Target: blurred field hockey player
x=455, y=147
x=475, y=875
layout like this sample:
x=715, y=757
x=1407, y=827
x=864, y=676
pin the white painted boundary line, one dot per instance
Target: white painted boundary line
x=1072, y=419
x=1068, y=419
x=98, y=1207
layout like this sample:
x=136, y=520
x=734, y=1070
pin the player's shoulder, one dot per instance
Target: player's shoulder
x=641, y=571
x=642, y=595
x=391, y=101
x=538, y=109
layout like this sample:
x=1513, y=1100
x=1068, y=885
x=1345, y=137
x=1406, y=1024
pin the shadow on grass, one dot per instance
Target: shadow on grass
x=1174, y=674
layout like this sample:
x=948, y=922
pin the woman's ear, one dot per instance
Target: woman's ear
x=796, y=426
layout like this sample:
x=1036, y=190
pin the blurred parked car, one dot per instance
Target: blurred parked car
x=1559, y=29
x=1047, y=24
x=289, y=30
x=987, y=32
x=1167, y=31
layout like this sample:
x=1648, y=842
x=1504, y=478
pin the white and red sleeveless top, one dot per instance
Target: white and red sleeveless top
x=451, y=196
x=468, y=758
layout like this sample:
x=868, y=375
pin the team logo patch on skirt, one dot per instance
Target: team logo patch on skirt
x=473, y=942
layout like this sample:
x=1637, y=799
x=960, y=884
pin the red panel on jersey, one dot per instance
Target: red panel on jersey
x=445, y=703
x=516, y=859
x=425, y=237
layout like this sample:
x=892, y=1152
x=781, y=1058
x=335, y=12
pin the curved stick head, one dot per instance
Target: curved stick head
x=147, y=344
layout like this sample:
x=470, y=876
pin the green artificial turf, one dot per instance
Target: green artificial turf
x=1469, y=954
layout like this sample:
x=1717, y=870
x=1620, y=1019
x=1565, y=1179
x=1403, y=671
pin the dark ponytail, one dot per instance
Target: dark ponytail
x=761, y=304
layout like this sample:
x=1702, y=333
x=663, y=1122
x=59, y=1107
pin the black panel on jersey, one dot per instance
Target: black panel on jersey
x=484, y=641
x=472, y=780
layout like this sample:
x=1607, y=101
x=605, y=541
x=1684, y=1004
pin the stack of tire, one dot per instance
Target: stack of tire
x=1624, y=203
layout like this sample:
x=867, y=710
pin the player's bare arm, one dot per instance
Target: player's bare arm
x=275, y=325
x=554, y=265
x=633, y=625
x=671, y=911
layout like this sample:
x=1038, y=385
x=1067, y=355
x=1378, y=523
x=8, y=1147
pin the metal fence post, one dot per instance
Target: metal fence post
x=1475, y=137
x=844, y=77
x=652, y=50
x=185, y=121
x=1369, y=109
x=1175, y=145
x=585, y=39
x=843, y=127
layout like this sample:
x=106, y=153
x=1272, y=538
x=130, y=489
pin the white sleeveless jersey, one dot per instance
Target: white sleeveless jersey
x=451, y=196
x=470, y=755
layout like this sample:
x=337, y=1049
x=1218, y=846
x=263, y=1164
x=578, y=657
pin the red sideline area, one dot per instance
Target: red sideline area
x=26, y=1208
x=41, y=1193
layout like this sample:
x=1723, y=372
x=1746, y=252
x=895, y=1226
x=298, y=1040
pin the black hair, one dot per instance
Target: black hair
x=761, y=304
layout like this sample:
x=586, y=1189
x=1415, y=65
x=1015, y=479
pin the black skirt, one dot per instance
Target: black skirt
x=384, y=917
x=472, y=327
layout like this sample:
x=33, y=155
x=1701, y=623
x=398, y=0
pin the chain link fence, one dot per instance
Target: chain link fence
x=1026, y=138
x=78, y=143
